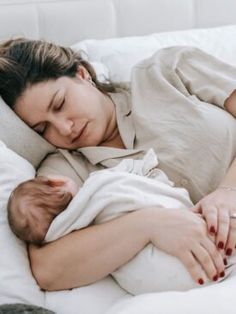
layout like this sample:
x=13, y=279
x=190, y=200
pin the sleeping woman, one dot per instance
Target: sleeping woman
x=181, y=102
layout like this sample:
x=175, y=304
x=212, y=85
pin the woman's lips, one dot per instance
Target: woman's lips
x=80, y=134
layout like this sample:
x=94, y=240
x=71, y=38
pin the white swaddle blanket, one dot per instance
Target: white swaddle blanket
x=109, y=193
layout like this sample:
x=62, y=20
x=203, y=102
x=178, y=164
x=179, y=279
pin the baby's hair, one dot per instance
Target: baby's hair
x=39, y=193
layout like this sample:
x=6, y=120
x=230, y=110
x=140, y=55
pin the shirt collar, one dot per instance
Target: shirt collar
x=122, y=101
x=101, y=154
x=106, y=155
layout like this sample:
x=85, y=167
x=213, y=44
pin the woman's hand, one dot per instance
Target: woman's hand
x=217, y=209
x=184, y=235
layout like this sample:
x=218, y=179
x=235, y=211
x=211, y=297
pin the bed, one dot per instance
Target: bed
x=110, y=33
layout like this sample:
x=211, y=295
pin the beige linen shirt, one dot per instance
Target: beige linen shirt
x=175, y=105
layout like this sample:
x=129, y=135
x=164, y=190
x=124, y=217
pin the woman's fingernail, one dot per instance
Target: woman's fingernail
x=215, y=278
x=220, y=245
x=222, y=274
x=228, y=252
x=200, y=281
x=225, y=262
x=212, y=229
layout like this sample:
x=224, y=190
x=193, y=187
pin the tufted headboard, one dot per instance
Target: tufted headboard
x=68, y=21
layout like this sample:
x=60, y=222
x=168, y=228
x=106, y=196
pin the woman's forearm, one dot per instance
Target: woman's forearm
x=87, y=255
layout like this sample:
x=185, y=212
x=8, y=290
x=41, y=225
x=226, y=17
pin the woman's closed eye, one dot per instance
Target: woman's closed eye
x=60, y=105
x=41, y=128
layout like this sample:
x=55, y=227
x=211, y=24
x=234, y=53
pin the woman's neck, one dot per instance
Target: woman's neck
x=114, y=141
x=113, y=138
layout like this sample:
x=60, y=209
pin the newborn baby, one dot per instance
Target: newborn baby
x=34, y=204
x=106, y=194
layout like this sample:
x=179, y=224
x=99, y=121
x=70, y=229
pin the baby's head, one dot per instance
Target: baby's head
x=35, y=203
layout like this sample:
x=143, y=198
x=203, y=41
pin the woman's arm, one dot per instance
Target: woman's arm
x=87, y=255
x=90, y=254
x=227, y=232
x=203, y=75
x=218, y=206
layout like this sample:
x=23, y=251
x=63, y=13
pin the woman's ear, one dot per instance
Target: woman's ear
x=82, y=73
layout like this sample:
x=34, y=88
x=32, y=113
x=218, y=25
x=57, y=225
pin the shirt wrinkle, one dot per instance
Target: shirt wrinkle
x=179, y=112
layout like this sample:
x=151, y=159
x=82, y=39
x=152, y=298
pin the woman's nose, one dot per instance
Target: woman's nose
x=64, y=127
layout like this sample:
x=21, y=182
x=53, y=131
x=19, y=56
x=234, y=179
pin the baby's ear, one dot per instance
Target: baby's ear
x=55, y=182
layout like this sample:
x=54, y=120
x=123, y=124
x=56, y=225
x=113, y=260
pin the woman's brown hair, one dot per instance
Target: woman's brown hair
x=25, y=62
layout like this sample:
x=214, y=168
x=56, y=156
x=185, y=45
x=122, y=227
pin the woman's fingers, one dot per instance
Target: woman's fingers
x=231, y=242
x=218, y=223
x=205, y=260
x=194, y=268
x=197, y=208
x=216, y=209
x=216, y=257
x=184, y=234
x=210, y=214
x=223, y=228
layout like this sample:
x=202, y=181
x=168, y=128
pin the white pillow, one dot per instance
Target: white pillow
x=119, y=55
x=16, y=281
x=21, y=138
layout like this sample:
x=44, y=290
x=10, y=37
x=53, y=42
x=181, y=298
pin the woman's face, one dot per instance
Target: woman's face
x=68, y=112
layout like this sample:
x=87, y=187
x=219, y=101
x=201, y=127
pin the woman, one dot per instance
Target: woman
x=169, y=107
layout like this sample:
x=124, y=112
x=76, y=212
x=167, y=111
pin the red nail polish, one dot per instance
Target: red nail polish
x=220, y=245
x=215, y=278
x=212, y=229
x=228, y=252
x=200, y=281
x=225, y=262
x=222, y=274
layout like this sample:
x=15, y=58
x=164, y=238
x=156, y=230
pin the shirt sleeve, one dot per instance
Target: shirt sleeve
x=203, y=75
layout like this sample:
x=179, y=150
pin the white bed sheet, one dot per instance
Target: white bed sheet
x=96, y=298
x=217, y=299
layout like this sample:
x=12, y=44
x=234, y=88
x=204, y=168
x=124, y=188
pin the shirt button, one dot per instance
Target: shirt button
x=184, y=182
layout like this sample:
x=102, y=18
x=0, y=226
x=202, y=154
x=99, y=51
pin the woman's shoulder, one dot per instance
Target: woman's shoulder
x=171, y=56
